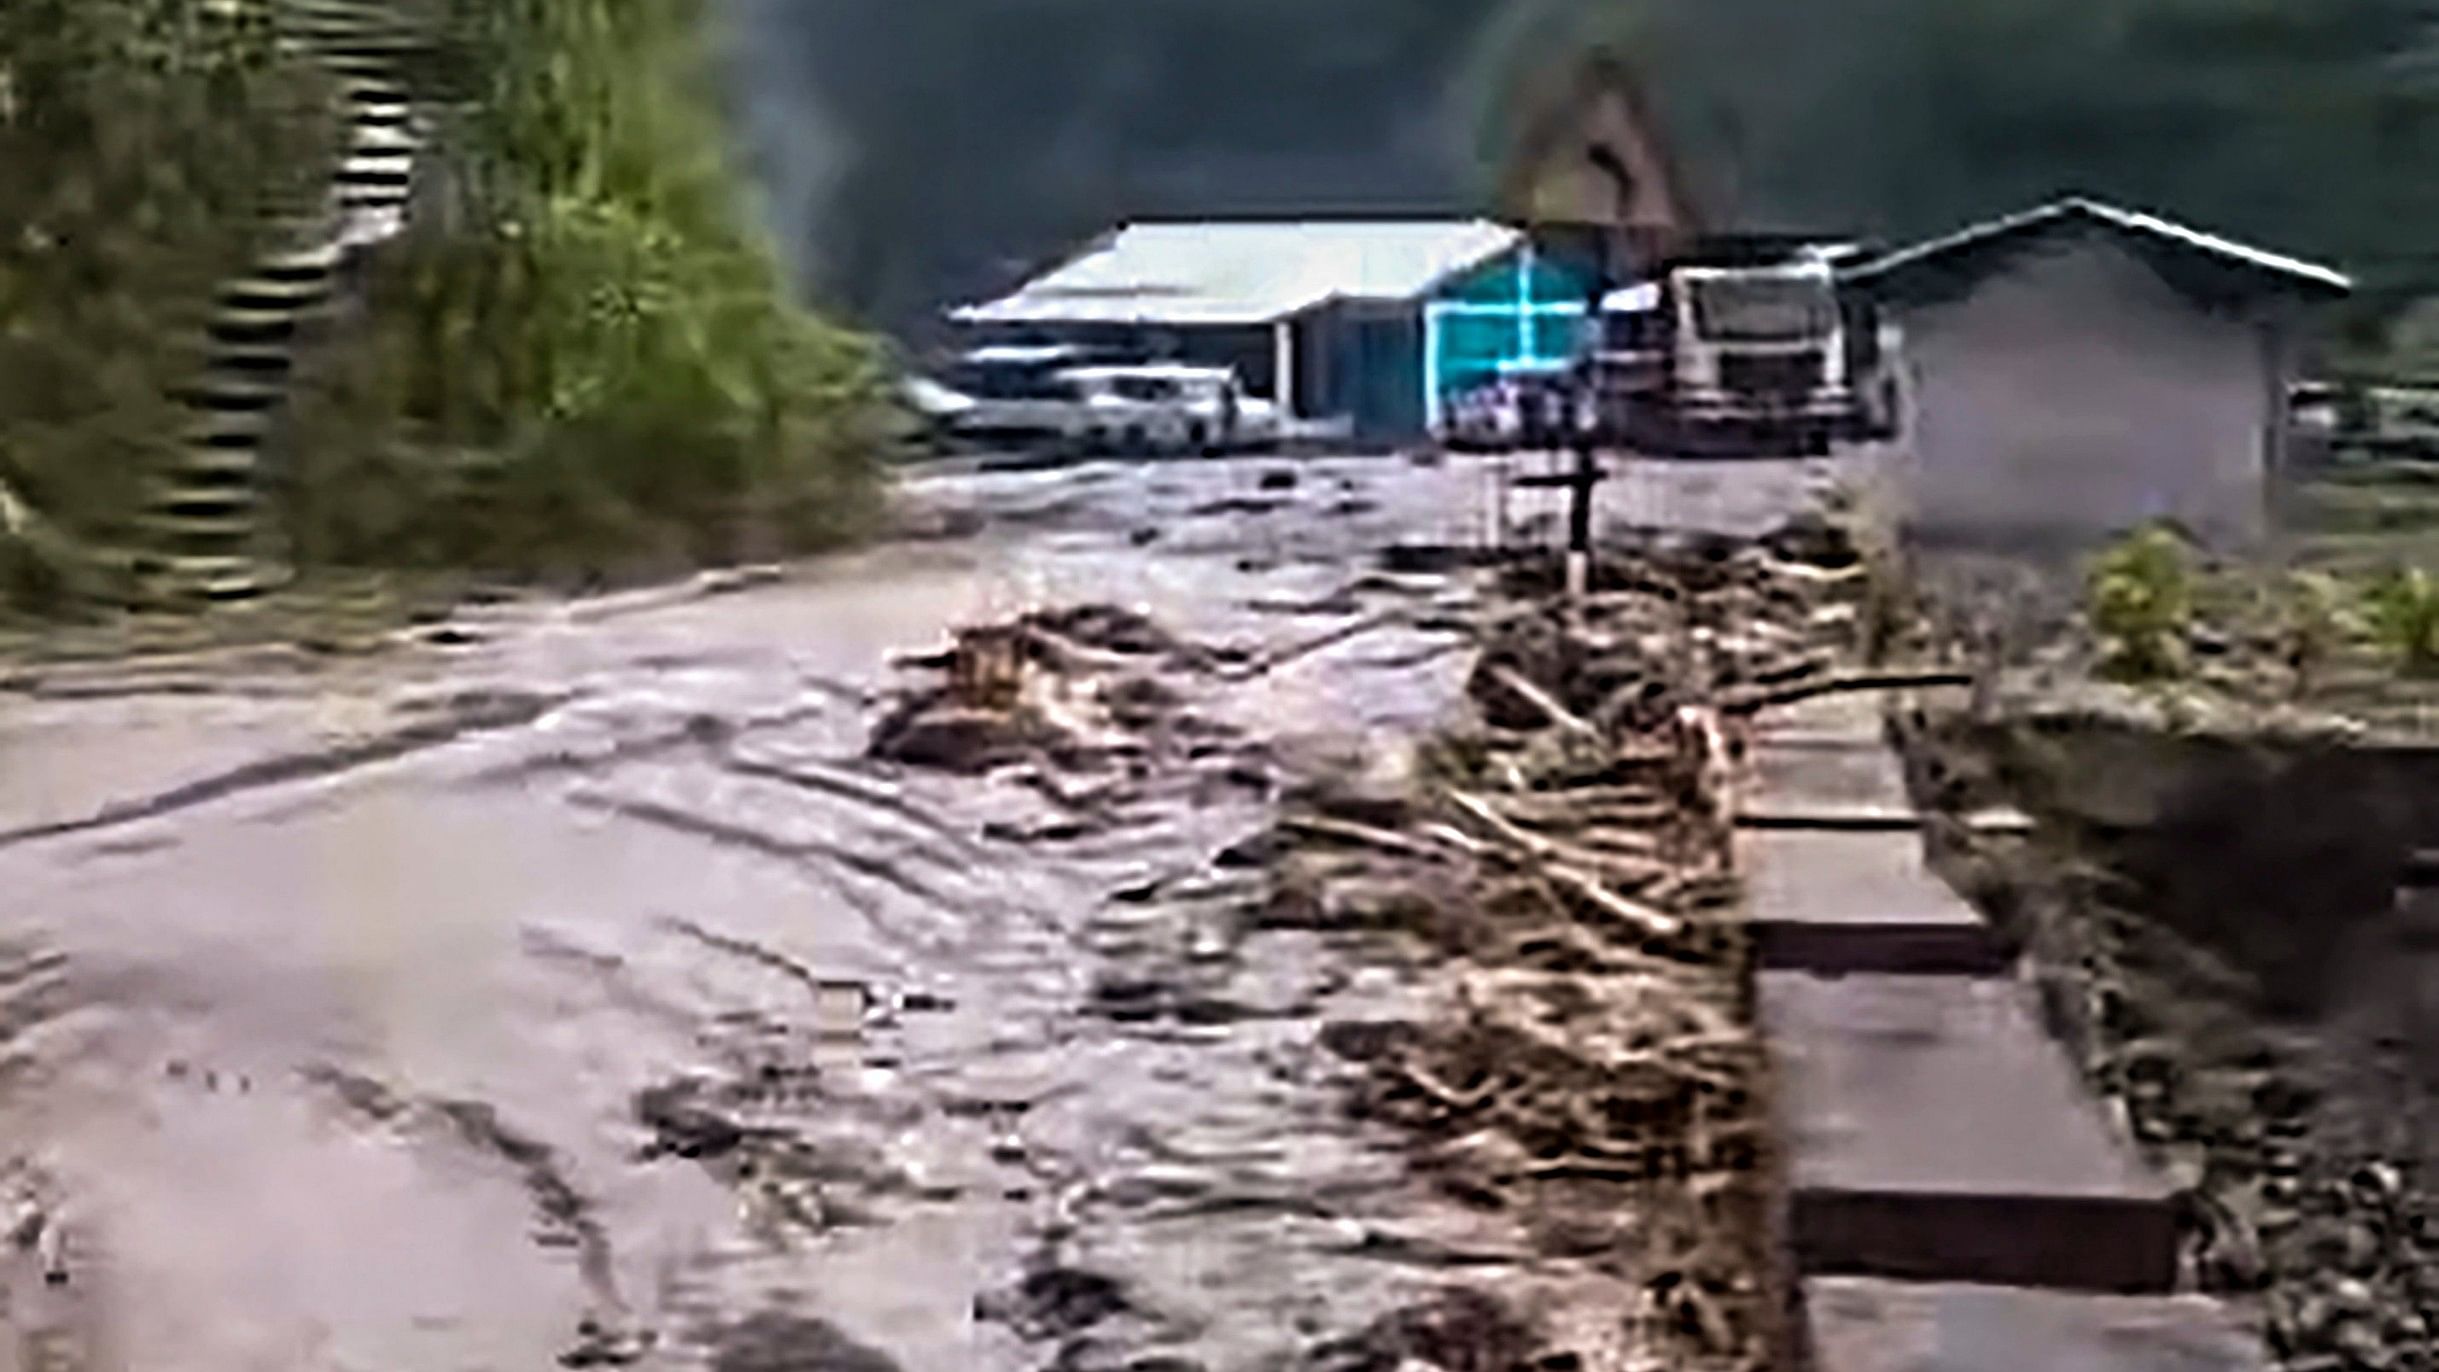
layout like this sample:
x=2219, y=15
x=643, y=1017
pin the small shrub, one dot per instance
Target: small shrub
x=2403, y=616
x=2314, y=616
x=2139, y=597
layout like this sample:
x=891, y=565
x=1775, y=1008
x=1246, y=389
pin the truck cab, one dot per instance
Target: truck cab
x=1760, y=358
x=1761, y=349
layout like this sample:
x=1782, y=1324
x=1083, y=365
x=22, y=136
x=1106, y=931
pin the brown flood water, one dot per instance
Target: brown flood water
x=583, y=996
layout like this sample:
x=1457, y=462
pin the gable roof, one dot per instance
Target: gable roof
x=1560, y=110
x=1251, y=272
x=2200, y=263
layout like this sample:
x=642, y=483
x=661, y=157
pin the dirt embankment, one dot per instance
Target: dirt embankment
x=2216, y=927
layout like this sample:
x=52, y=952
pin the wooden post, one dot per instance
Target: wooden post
x=1283, y=366
x=1579, y=511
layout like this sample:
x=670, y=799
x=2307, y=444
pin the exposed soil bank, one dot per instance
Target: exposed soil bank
x=2215, y=927
x=2274, y=853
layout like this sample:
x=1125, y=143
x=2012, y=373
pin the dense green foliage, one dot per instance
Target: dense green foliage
x=581, y=359
x=945, y=144
x=141, y=142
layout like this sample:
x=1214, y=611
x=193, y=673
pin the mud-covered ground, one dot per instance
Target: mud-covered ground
x=573, y=988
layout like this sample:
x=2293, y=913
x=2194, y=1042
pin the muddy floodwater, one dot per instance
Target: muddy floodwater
x=577, y=991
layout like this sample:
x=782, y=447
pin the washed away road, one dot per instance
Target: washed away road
x=576, y=991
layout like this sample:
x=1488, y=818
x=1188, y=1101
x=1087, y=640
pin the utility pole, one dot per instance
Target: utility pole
x=1583, y=431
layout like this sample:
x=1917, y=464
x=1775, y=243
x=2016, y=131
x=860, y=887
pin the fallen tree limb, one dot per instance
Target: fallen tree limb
x=1584, y=800
x=1516, y=835
x=1365, y=836
x=1563, y=865
x=1755, y=701
x=1652, y=923
x=1548, y=705
x=1270, y=662
x=1817, y=576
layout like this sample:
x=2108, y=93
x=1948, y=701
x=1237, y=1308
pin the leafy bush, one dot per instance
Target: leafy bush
x=2139, y=598
x=2403, y=617
x=582, y=360
x=2313, y=617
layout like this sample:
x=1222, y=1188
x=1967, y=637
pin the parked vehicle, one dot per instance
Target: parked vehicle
x=1168, y=408
x=1747, y=358
x=1086, y=400
x=1015, y=396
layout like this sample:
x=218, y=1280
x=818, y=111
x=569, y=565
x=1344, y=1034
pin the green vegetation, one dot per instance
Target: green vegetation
x=141, y=142
x=2139, y=597
x=2402, y=612
x=2358, y=634
x=585, y=362
x=2313, y=619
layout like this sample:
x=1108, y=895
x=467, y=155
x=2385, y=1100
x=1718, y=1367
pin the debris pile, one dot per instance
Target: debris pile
x=1080, y=686
x=1597, y=1076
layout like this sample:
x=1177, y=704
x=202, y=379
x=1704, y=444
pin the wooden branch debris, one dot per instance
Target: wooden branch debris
x=1266, y=663
x=1514, y=682
x=1368, y=836
x=1563, y=865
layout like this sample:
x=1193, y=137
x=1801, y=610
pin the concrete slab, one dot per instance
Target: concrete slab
x=1835, y=902
x=1935, y=1133
x=1849, y=714
x=1861, y=1325
x=1808, y=772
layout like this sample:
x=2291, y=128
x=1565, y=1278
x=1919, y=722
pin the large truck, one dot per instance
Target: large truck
x=1740, y=357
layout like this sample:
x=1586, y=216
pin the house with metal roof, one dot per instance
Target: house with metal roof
x=1369, y=323
x=2081, y=368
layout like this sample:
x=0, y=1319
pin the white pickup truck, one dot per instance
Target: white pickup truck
x=1168, y=408
x=1064, y=398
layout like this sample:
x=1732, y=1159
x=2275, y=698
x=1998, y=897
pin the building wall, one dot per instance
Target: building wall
x=2075, y=395
x=1366, y=364
x=1521, y=308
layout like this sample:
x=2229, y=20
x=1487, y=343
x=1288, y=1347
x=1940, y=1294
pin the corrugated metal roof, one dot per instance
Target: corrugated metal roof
x=2122, y=220
x=1246, y=273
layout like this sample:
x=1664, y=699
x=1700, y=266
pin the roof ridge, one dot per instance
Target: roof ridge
x=2111, y=216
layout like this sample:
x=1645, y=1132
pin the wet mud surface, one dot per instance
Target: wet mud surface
x=634, y=986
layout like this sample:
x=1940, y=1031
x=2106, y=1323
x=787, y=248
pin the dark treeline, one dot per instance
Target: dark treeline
x=922, y=151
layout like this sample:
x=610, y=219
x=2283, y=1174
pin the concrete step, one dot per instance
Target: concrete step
x=1935, y=1133
x=1994, y=820
x=1858, y=902
x=1860, y=1325
x=1833, y=772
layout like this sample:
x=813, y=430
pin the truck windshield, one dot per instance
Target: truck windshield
x=1763, y=309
